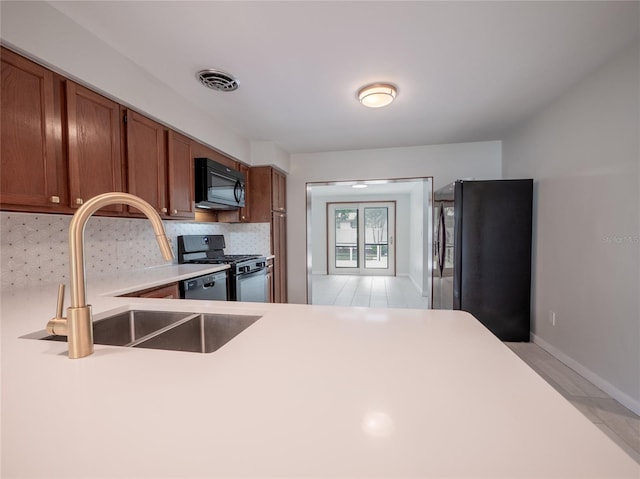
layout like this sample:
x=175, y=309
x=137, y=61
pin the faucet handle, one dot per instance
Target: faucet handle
x=60, y=304
x=58, y=325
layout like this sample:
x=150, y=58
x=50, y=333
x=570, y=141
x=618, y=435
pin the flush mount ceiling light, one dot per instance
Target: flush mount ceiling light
x=377, y=95
x=218, y=80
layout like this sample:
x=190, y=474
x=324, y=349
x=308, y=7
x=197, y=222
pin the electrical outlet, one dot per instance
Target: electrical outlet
x=552, y=318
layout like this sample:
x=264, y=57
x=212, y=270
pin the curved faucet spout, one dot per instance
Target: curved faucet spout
x=76, y=236
x=77, y=326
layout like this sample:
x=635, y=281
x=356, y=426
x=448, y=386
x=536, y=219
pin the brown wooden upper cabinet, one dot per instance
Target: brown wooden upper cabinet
x=181, y=181
x=29, y=160
x=278, y=190
x=267, y=193
x=62, y=144
x=94, y=149
x=146, y=161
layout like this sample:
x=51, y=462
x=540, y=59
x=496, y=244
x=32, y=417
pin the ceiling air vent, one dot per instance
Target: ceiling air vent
x=218, y=80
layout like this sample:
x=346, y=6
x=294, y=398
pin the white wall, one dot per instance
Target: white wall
x=44, y=34
x=446, y=163
x=583, y=152
x=268, y=153
x=420, y=237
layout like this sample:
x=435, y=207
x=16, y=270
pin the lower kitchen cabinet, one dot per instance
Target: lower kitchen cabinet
x=168, y=291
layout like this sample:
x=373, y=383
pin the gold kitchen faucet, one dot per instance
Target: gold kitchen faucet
x=77, y=326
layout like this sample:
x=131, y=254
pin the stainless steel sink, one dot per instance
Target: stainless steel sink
x=193, y=332
x=202, y=334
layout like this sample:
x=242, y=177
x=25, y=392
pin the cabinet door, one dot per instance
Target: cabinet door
x=170, y=291
x=146, y=161
x=259, y=194
x=95, y=158
x=279, y=248
x=167, y=291
x=28, y=158
x=180, y=173
x=278, y=191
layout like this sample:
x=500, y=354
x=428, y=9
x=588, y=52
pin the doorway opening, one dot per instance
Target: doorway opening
x=385, y=250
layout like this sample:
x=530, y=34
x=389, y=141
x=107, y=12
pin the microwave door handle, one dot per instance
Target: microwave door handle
x=237, y=191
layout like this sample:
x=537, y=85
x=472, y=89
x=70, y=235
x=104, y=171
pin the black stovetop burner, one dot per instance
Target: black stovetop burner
x=208, y=249
x=224, y=259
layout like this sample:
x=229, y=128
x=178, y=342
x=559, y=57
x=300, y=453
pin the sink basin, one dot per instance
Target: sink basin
x=124, y=328
x=176, y=331
x=203, y=334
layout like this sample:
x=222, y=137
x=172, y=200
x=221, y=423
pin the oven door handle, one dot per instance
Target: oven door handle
x=249, y=273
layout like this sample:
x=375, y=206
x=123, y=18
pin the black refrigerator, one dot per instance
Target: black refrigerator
x=482, y=253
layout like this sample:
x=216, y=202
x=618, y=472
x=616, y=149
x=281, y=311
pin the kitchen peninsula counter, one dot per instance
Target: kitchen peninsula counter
x=305, y=391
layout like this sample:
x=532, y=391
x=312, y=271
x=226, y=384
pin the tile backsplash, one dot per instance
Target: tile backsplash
x=34, y=248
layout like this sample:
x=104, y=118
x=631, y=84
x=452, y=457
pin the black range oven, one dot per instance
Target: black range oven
x=247, y=273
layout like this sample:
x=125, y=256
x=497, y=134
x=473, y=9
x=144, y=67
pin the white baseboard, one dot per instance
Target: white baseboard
x=415, y=283
x=623, y=398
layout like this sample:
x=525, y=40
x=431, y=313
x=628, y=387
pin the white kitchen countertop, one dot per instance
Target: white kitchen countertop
x=306, y=391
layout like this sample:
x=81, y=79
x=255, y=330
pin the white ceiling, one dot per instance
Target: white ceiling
x=466, y=71
x=374, y=187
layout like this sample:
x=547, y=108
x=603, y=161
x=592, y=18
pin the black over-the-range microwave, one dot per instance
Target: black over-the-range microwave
x=218, y=187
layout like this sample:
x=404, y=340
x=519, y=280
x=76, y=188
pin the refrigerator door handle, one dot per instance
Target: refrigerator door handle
x=442, y=238
x=436, y=244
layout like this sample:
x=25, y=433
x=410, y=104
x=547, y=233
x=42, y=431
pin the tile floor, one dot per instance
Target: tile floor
x=615, y=420
x=618, y=422
x=373, y=291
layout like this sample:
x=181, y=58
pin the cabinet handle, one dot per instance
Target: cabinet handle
x=54, y=199
x=174, y=212
x=243, y=217
x=163, y=210
x=79, y=201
